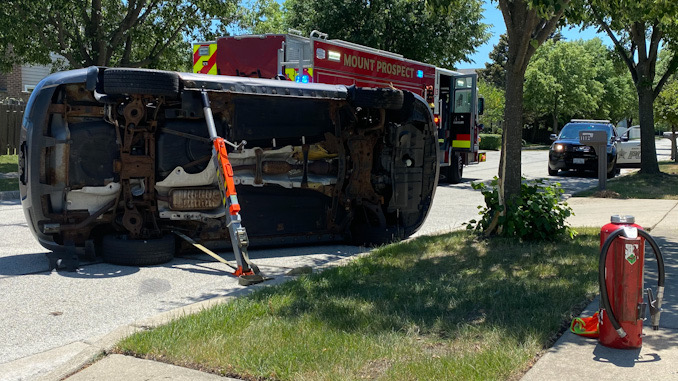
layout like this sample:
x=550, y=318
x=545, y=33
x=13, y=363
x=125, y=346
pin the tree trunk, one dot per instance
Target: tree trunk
x=555, y=115
x=509, y=171
x=648, y=149
x=674, y=155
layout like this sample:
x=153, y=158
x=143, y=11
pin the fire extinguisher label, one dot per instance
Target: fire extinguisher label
x=631, y=249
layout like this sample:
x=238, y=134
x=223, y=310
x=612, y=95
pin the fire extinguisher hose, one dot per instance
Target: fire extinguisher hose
x=604, y=297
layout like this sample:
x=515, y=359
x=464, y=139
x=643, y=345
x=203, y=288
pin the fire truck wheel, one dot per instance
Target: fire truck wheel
x=389, y=99
x=122, y=250
x=141, y=81
x=454, y=172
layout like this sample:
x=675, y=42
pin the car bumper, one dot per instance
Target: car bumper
x=565, y=161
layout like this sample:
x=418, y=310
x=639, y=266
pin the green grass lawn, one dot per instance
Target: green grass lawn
x=637, y=185
x=9, y=185
x=9, y=163
x=442, y=307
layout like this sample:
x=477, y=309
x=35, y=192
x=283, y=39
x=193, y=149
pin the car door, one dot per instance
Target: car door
x=628, y=153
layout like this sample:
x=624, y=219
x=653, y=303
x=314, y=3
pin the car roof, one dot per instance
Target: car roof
x=590, y=125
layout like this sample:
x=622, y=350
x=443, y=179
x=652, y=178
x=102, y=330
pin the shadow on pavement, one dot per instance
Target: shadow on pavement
x=624, y=358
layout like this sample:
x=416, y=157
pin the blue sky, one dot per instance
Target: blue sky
x=492, y=15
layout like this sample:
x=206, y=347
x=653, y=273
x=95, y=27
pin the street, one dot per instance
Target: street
x=43, y=309
x=456, y=204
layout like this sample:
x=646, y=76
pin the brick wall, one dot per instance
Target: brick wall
x=11, y=85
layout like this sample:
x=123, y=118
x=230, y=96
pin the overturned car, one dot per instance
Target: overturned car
x=114, y=160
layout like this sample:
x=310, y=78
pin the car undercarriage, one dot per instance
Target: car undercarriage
x=112, y=159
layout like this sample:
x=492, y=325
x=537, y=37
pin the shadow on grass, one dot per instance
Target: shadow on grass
x=8, y=167
x=443, y=287
x=663, y=185
x=9, y=185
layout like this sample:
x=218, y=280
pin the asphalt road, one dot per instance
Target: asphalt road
x=456, y=204
x=42, y=309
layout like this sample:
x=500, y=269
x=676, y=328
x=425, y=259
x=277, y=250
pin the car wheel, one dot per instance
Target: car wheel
x=122, y=250
x=386, y=98
x=612, y=173
x=118, y=81
x=553, y=172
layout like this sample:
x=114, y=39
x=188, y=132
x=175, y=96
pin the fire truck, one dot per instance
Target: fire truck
x=453, y=96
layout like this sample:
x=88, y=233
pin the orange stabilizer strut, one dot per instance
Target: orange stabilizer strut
x=227, y=171
x=239, y=271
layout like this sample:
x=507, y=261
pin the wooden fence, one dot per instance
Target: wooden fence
x=10, y=125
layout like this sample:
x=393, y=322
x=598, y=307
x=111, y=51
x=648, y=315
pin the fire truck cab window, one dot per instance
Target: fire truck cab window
x=464, y=83
x=462, y=100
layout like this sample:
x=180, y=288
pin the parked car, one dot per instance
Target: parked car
x=628, y=154
x=112, y=160
x=567, y=153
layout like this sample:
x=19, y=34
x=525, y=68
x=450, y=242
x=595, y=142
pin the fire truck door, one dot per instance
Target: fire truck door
x=463, y=113
x=444, y=112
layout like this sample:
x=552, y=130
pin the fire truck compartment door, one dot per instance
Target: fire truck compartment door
x=249, y=56
x=464, y=107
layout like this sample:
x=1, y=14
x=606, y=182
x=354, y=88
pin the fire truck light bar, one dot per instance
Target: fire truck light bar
x=301, y=79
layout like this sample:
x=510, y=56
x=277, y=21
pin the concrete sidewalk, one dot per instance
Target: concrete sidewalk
x=572, y=357
x=577, y=358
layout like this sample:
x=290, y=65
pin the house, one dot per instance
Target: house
x=19, y=83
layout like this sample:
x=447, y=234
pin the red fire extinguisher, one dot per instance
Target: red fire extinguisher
x=622, y=310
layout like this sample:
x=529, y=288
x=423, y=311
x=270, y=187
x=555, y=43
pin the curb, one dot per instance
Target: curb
x=10, y=196
x=96, y=348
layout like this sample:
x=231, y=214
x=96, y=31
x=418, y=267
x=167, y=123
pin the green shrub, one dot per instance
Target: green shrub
x=490, y=141
x=538, y=214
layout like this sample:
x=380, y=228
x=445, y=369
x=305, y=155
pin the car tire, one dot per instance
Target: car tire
x=553, y=172
x=612, y=173
x=385, y=98
x=126, y=81
x=122, y=250
x=453, y=173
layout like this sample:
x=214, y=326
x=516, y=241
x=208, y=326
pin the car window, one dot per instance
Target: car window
x=571, y=131
x=633, y=133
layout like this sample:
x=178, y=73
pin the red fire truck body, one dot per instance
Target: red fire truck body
x=453, y=96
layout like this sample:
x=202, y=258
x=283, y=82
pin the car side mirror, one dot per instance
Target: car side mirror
x=481, y=106
x=553, y=137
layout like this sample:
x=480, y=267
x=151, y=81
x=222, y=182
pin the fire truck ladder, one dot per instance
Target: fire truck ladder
x=247, y=272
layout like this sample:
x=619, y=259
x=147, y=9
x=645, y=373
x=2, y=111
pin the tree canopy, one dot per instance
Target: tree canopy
x=134, y=33
x=566, y=80
x=666, y=104
x=638, y=30
x=666, y=109
x=495, y=69
x=440, y=32
x=493, y=117
x=561, y=79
